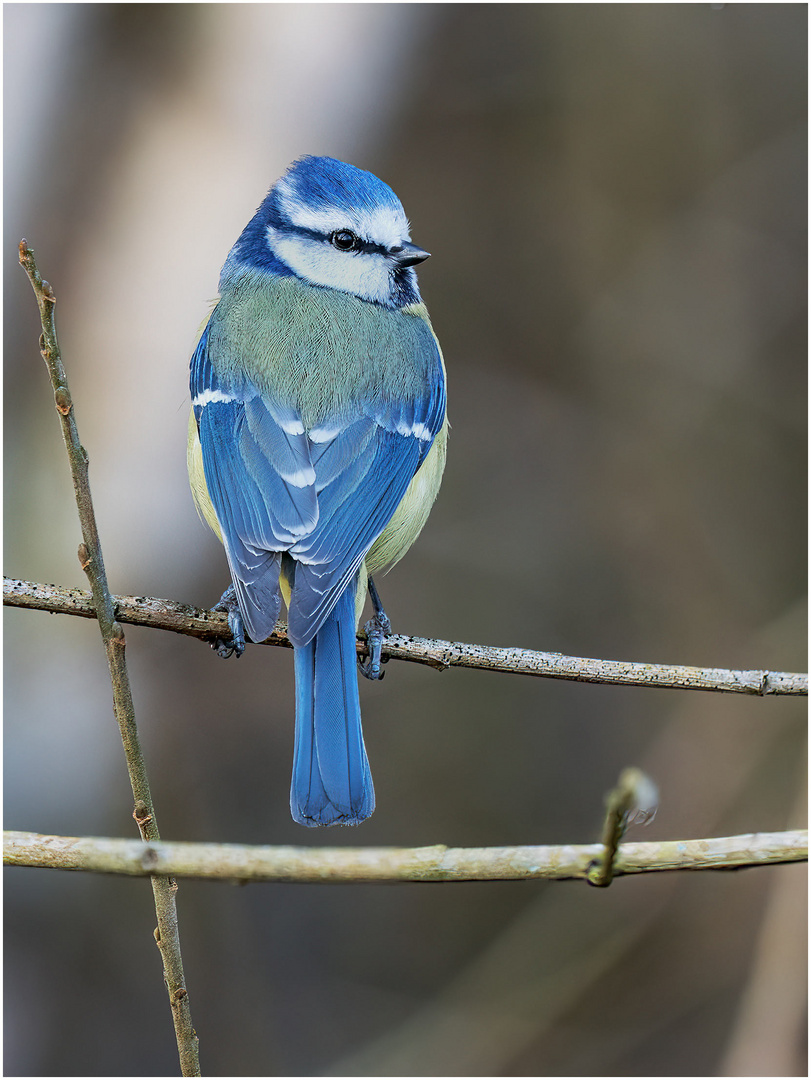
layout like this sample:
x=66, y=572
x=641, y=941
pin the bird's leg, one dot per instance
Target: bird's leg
x=228, y=603
x=377, y=630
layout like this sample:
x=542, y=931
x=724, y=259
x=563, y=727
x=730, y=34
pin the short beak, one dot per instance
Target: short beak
x=409, y=255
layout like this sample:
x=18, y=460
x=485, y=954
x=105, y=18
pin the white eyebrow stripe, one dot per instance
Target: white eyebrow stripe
x=320, y=221
x=210, y=397
x=385, y=224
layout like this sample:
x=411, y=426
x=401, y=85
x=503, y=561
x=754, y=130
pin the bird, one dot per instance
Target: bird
x=317, y=442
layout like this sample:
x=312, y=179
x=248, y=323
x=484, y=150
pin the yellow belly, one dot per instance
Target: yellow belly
x=197, y=478
x=412, y=512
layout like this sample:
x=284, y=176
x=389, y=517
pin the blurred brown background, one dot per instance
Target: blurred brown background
x=615, y=199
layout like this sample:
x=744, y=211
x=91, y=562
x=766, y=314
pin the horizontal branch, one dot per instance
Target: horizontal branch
x=208, y=625
x=437, y=863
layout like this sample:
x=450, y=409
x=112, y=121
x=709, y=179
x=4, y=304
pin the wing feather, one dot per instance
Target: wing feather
x=324, y=494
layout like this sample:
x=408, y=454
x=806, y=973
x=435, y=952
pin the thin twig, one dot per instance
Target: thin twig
x=207, y=625
x=112, y=634
x=633, y=801
x=235, y=862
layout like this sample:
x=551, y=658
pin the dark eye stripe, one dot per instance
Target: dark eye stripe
x=366, y=247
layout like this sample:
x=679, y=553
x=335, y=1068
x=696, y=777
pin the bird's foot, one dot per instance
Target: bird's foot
x=236, y=644
x=377, y=630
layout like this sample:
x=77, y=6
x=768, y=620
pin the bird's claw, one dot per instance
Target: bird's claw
x=236, y=645
x=377, y=630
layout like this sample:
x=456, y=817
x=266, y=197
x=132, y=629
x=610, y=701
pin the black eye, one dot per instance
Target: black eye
x=345, y=240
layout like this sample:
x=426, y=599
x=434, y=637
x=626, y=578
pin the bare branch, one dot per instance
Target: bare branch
x=207, y=625
x=437, y=863
x=112, y=634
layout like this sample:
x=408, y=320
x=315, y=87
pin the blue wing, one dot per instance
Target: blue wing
x=323, y=495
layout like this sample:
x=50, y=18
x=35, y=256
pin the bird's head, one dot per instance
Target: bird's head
x=331, y=224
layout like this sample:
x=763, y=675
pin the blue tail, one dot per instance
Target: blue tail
x=332, y=784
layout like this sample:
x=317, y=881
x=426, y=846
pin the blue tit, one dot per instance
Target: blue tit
x=317, y=443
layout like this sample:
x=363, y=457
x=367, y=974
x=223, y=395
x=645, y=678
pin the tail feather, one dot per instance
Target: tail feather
x=332, y=783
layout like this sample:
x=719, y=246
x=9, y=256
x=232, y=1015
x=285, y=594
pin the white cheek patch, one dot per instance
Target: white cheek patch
x=209, y=397
x=363, y=275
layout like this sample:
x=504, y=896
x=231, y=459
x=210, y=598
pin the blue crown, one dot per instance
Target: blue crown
x=323, y=183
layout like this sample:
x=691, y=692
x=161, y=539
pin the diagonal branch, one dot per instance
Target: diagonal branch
x=112, y=634
x=237, y=862
x=207, y=625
